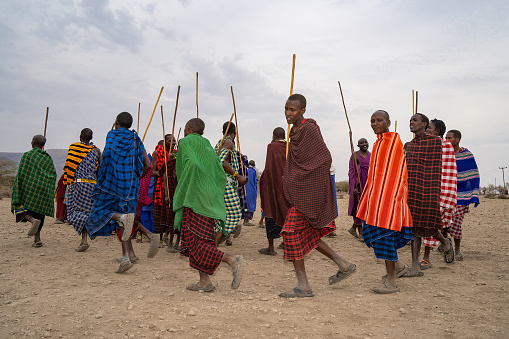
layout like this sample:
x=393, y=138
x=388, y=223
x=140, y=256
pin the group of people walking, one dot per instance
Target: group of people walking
x=398, y=194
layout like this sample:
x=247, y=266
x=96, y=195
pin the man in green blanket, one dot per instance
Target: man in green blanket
x=198, y=202
x=33, y=189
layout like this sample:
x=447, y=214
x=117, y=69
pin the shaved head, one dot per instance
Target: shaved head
x=38, y=141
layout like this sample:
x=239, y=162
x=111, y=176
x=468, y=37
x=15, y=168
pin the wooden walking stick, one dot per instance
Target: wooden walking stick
x=138, y=125
x=413, y=102
x=236, y=123
x=45, y=124
x=165, y=158
x=224, y=135
x=350, y=135
x=291, y=92
x=143, y=139
x=178, y=137
x=395, y=126
x=174, y=116
x=197, y=94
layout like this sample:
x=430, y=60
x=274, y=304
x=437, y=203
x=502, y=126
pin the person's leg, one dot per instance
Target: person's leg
x=343, y=264
x=457, y=245
x=353, y=230
x=302, y=278
x=271, y=245
x=427, y=251
x=359, y=230
x=416, y=249
x=390, y=267
x=219, y=237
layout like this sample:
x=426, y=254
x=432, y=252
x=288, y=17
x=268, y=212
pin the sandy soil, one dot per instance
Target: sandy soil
x=55, y=292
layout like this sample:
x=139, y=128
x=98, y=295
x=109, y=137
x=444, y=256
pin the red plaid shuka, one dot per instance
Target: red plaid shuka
x=164, y=215
x=448, y=193
x=299, y=236
x=424, y=165
x=198, y=242
x=307, y=182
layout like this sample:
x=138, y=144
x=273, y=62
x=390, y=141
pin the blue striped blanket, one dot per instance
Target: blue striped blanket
x=468, y=178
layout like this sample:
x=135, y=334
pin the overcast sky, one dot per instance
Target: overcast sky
x=90, y=60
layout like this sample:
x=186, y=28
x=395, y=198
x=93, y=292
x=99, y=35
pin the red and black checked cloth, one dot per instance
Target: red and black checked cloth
x=164, y=219
x=172, y=175
x=424, y=165
x=198, y=242
x=298, y=235
x=307, y=182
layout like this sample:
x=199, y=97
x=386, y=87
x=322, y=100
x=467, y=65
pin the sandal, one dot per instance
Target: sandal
x=459, y=256
x=127, y=222
x=401, y=272
x=35, y=227
x=82, y=248
x=342, y=275
x=412, y=273
x=449, y=255
x=385, y=288
x=237, y=231
x=267, y=252
x=296, y=293
x=237, y=272
x=352, y=232
x=153, y=247
x=37, y=244
x=171, y=249
x=125, y=265
x=424, y=265
x=197, y=287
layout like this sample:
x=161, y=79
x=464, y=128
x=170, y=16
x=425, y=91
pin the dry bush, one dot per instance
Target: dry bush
x=503, y=196
x=490, y=195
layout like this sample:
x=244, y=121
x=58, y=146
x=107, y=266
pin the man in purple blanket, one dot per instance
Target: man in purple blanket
x=357, y=175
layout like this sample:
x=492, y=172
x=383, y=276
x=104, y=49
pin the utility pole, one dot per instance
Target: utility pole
x=503, y=178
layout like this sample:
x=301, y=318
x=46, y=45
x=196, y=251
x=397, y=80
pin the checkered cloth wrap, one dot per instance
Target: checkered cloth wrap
x=455, y=230
x=198, y=242
x=307, y=182
x=34, y=186
x=231, y=196
x=77, y=152
x=386, y=242
x=468, y=178
x=448, y=190
x=424, y=164
x=163, y=214
x=383, y=201
x=299, y=236
x=164, y=218
x=118, y=181
x=144, y=197
x=79, y=194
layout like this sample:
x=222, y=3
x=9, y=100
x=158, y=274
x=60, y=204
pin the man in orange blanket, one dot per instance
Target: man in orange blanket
x=307, y=185
x=383, y=204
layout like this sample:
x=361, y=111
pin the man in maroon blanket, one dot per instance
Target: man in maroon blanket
x=308, y=188
x=61, y=212
x=424, y=164
x=274, y=204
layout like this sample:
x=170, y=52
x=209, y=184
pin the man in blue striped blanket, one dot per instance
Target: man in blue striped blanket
x=115, y=196
x=468, y=187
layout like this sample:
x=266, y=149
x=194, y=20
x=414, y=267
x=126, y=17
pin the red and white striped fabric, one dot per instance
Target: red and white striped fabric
x=448, y=193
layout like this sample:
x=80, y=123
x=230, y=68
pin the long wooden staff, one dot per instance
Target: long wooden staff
x=45, y=124
x=224, y=135
x=291, y=92
x=350, y=135
x=197, y=94
x=174, y=116
x=238, y=141
x=143, y=139
x=416, y=101
x=178, y=136
x=413, y=102
x=138, y=125
x=165, y=159
x=395, y=126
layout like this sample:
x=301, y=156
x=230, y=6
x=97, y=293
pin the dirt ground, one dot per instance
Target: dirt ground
x=55, y=292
